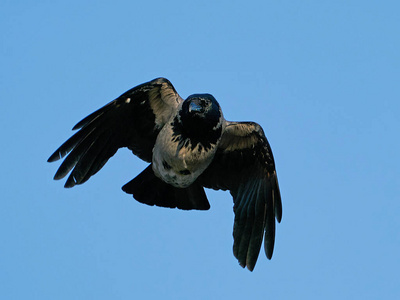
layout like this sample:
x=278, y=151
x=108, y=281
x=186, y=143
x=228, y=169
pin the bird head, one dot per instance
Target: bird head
x=201, y=106
x=200, y=114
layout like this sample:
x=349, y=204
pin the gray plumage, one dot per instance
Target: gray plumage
x=189, y=146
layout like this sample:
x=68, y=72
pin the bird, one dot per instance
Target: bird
x=189, y=146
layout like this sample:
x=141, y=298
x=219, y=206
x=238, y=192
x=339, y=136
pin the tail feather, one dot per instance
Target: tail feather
x=149, y=189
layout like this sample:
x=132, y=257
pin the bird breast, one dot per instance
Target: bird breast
x=177, y=161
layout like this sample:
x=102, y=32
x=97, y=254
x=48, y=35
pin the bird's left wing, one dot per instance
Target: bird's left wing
x=244, y=164
x=132, y=120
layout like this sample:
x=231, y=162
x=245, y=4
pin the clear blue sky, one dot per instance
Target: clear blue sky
x=321, y=77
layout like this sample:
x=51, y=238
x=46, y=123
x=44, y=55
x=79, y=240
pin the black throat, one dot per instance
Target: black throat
x=193, y=130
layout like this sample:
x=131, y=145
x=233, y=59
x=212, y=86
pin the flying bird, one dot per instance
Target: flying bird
x=190, y=146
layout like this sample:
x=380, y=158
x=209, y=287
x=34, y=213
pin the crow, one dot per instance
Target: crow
x=190, y=146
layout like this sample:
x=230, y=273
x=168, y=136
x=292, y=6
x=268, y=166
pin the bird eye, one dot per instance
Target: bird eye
x=205, y=103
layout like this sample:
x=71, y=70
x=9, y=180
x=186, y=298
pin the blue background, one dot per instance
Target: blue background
x=321, y=77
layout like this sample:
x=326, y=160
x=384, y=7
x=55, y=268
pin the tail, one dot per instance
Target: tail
x=149, y=189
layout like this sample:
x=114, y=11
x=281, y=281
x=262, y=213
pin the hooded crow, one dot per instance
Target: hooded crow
x=190, y=146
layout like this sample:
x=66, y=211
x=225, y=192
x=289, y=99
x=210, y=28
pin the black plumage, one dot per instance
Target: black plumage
x=189, y=146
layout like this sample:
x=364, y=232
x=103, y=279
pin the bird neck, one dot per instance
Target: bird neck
x=193, y=131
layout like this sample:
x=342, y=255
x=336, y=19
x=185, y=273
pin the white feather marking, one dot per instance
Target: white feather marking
x=164, y=103
x=239, y=136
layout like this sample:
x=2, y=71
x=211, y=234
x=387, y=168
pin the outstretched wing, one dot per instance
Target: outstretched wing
x=132, y=120
x=244, y=164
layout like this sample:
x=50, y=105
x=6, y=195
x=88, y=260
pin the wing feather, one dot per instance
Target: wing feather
x=258, y=228
x=95, y=155
x=246, y=219
x=132, y=120
x=244, y=164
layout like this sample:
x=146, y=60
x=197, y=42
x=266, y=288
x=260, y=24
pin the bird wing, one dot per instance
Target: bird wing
x=132, y=120
x=244, y=164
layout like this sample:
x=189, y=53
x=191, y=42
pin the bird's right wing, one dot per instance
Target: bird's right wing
x=132, y=120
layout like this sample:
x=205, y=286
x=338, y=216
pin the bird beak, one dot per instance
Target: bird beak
x=194, y=106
